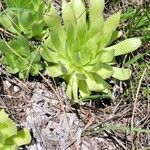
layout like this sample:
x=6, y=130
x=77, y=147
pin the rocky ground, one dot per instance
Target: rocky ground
x=103, y=124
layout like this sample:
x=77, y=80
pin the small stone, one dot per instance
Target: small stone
x=8, y=84
x=16, y=88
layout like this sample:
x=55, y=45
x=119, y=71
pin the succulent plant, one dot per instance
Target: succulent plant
x=10, y=138
x=19, y=56
x=25, y=17
x=81, y=48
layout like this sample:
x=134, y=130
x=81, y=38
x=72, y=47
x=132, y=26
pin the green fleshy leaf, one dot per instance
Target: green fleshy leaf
x=96, y=8
x=6, y=23
x=103, y=70
x=3, y=47
x=11, y=60
x=35, y=69
x=83, y=88
x=80, y=15
x=121, y=73
x=96, y=83
x=25, y=19
x=77, y=59
x=110, y=26
x=12, y=70
x=48, y=55
x=22, y=75
x=70, y=37
x=68, y=13
x=10, y=147
x=11, y=126
x=92, y=44
x=23, y=137
x=35, y=56
x=96, y=26
x=126, y=46
x=106, y=56
x=23, y=46
x=81, y=76
x=115, y=36
x=75, y=88
x=54, y=71
x=69, y=88
x=52, y=18
x=10, y=3
x=56, y=39
x=36, y=28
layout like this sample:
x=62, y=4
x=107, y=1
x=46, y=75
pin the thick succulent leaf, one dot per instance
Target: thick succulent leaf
x=14, y=46
x=96, y=83
x=22, y=41
x=47, y=43
x=95, y=27
x=71, y=42
x=10, y=147
x=81, y=76
x=35, y=69
x=54, y=71
x=103, y=70
x=68, y=13
x=3, y=46
x=23, y=137
x=75, y=88
x=69, y=23
x=10, y=3
x=25, y=19
x=116, y=34
x=85, y=57
x=17, y=3
x=56, y=39
x=52, y=18
x=96, y=8
x=76, y=59
x=6, y=23
x=63, y=68
x=2, y=137
x=112, y=23
x=11, y=126
x=11, y=60
x=121, y=73
x=12, y=70
x=3, y=60
x=22, y=46
x=35, y=56
x=69, y=91
x=80, y=15
x=83, y=88
x=91, y=46
x=48, y=55
x=106, y=56
x=126, y=46
x=36, y=28
x=36, y=4
x=110, y=26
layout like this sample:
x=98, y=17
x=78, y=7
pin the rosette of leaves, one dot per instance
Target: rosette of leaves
x=19, y=56
x=10, y=138
x=25, y=16
x=79, y=48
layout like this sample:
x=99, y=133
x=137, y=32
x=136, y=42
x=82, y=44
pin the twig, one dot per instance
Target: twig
x=135, y=103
